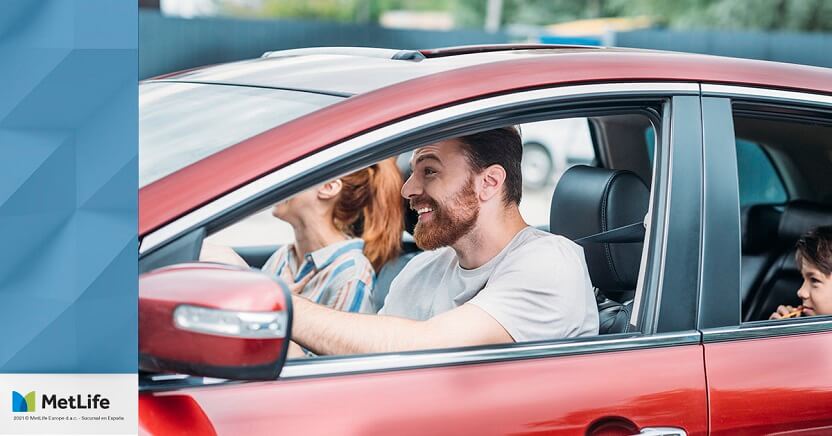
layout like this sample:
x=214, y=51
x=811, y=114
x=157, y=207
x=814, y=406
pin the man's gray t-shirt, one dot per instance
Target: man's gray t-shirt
x=537, y=287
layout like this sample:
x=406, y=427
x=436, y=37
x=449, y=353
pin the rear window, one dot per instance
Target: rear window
x=759, y=181
x=181, y=123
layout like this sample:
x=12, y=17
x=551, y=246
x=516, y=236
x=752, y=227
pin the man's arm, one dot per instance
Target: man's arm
x=326, y=331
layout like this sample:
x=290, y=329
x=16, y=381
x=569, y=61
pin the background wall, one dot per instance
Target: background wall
x=169, y=44
x=799, y=48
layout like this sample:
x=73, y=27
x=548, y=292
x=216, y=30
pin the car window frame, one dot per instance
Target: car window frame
x=681, y=97
x=723, y=253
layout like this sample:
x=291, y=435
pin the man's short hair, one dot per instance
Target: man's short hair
x=816, y=248
x=498, y=147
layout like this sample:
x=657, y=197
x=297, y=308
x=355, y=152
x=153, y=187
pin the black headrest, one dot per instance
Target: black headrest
x=801, y=216
x=759, y=227
x=589, y=201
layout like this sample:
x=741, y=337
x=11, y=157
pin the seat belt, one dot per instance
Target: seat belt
x=629, y=233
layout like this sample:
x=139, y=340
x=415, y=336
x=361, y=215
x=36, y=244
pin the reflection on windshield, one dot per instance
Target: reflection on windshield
x=181, y=123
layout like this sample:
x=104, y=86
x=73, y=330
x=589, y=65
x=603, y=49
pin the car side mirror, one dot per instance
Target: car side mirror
x=213, y=320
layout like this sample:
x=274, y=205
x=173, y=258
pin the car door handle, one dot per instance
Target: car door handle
x=661, y=431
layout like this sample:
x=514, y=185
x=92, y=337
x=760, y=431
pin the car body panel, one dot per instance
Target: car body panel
x=172, y=415
x=168, y=198
x=778, y=384
x=555, y=395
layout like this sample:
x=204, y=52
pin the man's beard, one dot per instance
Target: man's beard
x=450, y=221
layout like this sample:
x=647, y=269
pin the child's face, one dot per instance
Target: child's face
x=816, y=291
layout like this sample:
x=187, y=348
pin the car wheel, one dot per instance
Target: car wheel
x=537, y=165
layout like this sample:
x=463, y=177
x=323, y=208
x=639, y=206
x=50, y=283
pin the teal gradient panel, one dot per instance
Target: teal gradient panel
x=68, y=186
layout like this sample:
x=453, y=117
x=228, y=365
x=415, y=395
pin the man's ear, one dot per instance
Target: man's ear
x=492, y=179
x=330, y=189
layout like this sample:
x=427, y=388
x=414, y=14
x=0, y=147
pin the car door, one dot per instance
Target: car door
x=769, y=377
x=611, y=384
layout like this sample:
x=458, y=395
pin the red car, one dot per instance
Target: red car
x=723, y=162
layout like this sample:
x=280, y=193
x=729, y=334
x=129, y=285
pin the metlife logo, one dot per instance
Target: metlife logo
x=29, y=403
x=22, y=403
x=69, y=403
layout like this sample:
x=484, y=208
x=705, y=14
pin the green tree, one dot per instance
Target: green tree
x=362, y=11
x=767, y=15
x=335, y=10
x=471, y=13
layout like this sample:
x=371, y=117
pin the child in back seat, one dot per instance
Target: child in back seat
x=814, y=259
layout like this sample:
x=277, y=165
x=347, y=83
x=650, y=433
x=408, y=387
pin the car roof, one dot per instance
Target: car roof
x=333, y=70
x=347, y=71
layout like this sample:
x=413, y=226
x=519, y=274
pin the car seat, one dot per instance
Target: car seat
x=389, y=271
x=603, y=210
x=759, y=246
x=385, y=277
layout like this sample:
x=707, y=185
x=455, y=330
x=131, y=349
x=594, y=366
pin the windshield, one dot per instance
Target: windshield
x=181, y=123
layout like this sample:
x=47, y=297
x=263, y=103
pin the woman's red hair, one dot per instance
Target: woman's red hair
x=370, y=206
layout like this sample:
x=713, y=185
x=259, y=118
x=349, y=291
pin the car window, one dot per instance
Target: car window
x=650, y=140
x=549, y=148
x=772, y=221
x=565, y=142
x=260, y=229
x=758, y=180
x=181, y=123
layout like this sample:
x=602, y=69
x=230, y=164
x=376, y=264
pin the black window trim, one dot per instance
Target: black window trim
x=679, y=279
x=719, y=304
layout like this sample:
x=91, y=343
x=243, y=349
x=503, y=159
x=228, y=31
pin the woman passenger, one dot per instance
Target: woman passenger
x=328, y=263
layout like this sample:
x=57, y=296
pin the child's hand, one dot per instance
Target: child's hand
x=784, y=312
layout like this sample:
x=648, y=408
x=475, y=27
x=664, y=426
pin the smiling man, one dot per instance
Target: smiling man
x=486, y=276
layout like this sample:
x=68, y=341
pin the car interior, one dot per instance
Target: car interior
x=582, y=202
x=800, y=153
x=783, y=166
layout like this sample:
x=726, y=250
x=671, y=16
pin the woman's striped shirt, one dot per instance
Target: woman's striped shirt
x=343, y=278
